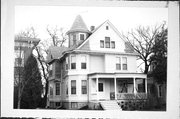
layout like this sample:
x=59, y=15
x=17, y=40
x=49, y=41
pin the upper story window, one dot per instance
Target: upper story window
x=118, y=63
x=107, y=27
x=107, y=42
x=124, y=63
x=83, y=62
x=57, y=88
x=101, y=44
x=73, y=87
x=19, y=58
x=66, y=63
x=74, y=39
x=50, y=70
x=82, y=36
x=84, y=86
x=113, y=44
x=73, y=62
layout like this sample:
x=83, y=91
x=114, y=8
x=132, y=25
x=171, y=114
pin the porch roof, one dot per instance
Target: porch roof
x=117, y=75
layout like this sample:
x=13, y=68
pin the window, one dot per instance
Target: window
x=84, y=86
x=107, y=27
x=67, y=63
x=57, y=88
x=66, y=89
x=107, y=42
x=118, y=63
x=58, y=104
x=51, y=90
x=83, y=62
x=113, y=44
x=124, y=63
x=50, y=70
x=73, y=62
x=73, y=87
x=82, y=36
x=100, y=86
x=74, y=39
x=160, y=90
x=19, y=58
x=101, y=44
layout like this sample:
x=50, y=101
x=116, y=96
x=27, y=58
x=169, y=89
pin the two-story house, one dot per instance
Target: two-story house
x=97, y=67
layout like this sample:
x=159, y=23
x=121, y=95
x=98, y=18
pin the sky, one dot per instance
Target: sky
x=123, y=18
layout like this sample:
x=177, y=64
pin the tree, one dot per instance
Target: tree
x=57, y=38
x=32, y=88
x=142, y=41
x=159, y=57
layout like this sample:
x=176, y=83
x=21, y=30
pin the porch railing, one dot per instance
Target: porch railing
x=131, y=96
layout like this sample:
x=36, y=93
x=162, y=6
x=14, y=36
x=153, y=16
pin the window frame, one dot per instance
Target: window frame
x=57, y=92
x=107, y=41
x=84, y=62
x=83, y=35
x=73, y=88
x=124, y=65
x=73, y=62
x=83, y=87
x=113, y=46
x=101, y=43
x=118, y=63
x=100, y=89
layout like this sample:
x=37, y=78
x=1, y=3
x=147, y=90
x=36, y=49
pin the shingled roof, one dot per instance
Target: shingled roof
x=55, y=52
x=78, y=25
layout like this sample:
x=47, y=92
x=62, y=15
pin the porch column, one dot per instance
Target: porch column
x=97, y=88
x=146, y=85
x=134, y=82
x=115, y=89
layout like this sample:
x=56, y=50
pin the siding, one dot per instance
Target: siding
x=96, y=63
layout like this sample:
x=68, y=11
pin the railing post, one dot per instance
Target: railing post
x=115, y=89
x=97, y=88
x=134, y=82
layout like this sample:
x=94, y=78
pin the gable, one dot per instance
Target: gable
x=108, y=34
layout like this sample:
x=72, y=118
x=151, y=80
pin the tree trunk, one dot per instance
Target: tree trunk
x=146, y=68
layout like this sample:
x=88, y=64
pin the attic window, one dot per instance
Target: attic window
x=107, y=42
x=107, y=27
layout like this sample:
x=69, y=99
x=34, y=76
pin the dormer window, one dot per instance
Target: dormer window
x=82, y=36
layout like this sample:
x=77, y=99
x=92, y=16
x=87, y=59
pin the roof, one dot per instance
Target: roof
x=78, y=25
x=24, y=39
x=55, y=52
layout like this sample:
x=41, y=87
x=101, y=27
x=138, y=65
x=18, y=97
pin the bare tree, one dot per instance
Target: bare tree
x=57, y=36
x=142, y=41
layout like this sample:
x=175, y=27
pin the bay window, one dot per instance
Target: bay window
x=73, y=87
x=73, y=62
x=57, y=88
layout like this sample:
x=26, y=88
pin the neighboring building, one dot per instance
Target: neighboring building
x=97, y=67
x=22, y=50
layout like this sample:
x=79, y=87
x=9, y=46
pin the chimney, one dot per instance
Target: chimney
x=92, y=28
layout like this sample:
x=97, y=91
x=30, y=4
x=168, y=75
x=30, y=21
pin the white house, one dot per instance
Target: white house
x=97, y=67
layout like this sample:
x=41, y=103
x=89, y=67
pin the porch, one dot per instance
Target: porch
x=117, y=86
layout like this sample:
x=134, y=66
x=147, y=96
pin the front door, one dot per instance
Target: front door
x=101, y=90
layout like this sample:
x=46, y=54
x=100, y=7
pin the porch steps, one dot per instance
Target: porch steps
x=110, y=105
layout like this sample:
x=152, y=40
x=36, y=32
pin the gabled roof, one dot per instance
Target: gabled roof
x=78, y=25
x=128, y=47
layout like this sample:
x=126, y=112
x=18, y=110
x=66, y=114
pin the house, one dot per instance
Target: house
x=97, y=68
x=22, y=50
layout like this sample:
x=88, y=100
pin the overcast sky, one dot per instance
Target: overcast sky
x=123, y=18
